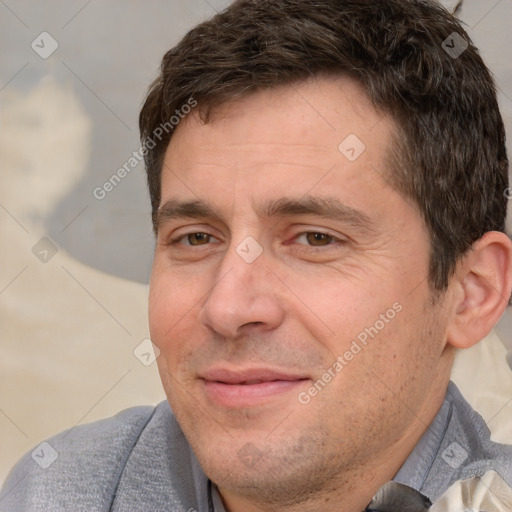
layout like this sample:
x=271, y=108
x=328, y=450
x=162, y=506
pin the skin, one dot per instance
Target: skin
x=303, y=301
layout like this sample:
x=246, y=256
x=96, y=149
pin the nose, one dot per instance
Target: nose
x=244, y=298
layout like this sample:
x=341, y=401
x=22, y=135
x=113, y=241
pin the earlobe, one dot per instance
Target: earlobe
x=483, y=281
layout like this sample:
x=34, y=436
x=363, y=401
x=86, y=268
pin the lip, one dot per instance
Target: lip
x=248, y=387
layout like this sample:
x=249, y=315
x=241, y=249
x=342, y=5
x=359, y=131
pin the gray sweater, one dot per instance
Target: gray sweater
x=140, y=461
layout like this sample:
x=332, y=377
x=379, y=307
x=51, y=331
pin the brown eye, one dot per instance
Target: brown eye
x=319, y=239
x=198, y=238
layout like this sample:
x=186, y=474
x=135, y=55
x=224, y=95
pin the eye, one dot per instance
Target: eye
x=316, y=238
x=198, y=238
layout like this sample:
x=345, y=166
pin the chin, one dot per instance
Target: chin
x=269, y=469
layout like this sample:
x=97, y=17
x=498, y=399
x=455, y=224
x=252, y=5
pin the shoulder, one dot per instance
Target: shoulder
x=466, y=449
x=84, y=462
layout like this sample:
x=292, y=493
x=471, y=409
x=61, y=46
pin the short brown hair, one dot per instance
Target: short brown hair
x=450, y=157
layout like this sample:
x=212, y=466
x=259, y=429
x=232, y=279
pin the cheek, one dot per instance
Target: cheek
x=172, y=306
x=405, y=353
x=341, y=308
x=173, y=327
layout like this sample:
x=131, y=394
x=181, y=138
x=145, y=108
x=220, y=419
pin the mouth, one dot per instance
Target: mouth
x=249, y=387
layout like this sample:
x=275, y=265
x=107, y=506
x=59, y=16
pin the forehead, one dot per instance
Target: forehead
x=309, y=110
x=324, y=129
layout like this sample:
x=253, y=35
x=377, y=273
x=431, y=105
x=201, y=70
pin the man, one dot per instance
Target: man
x=328, y=187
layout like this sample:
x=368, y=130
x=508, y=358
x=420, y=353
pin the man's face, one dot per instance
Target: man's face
x=289, y=295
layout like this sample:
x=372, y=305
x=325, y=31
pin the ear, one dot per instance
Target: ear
x=482, y=286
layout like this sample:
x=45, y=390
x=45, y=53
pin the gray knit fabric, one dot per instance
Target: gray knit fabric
x=140, y=461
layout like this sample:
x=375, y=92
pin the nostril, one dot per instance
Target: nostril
x=252, y=324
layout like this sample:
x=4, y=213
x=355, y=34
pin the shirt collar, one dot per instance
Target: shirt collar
x=217, y=502
x=415, y=469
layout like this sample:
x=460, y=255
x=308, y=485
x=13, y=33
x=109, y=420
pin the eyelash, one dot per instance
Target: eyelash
x=334, y=239
x=177, y=240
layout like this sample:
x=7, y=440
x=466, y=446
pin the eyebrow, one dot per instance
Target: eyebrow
x=174, y=209
x=327, y=207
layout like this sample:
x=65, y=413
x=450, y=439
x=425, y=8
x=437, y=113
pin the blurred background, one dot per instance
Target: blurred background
x=74, y=266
